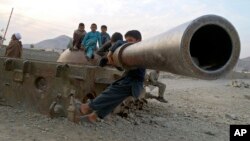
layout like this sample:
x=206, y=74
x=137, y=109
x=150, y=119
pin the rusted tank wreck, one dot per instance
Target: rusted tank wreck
x=207, y=47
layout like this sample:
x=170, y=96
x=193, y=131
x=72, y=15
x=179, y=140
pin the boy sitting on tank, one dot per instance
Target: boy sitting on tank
x=131, y=84
x=105, y=47
x=90, y=41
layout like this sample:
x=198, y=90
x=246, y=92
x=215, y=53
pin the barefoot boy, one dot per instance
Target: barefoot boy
x=129, y=85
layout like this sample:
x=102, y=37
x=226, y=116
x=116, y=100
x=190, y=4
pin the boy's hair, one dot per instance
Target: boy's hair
x=135, y=34
x=93, y=24
x=81, y=24
x=104, y=26
x=116, y=37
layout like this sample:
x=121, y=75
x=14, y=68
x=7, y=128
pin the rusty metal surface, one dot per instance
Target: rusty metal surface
x=47, y=87
x=207, y=47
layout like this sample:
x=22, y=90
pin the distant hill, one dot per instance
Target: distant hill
x=243, y=65
x=57, y=44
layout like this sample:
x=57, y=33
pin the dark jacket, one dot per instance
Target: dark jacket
x=78, y=37
x=105, y=37
x=134, y=77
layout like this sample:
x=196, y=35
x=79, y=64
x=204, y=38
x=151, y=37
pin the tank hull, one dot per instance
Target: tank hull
x=36, y=85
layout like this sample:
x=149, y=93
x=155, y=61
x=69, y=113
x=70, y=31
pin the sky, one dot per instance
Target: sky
x=37, y=20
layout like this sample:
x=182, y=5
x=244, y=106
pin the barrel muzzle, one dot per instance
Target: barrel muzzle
x=207, y=48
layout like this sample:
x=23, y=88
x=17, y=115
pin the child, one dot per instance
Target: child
x=14, y=49
x=153, y=80
x=104, y=34
x=78, y=36
x=90, y=40
x=105, y=47
x=130, y=84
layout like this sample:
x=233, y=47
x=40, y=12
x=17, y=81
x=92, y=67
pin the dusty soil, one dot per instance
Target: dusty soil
x=197, y=110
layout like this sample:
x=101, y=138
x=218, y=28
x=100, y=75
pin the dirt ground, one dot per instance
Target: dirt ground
x=197, y=110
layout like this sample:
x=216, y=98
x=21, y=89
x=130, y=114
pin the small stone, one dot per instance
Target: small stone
x=165, y=125
x=20, y=111
x=186, y=114
x=144, y=121
x=136, y=123
x=171, y=134
x=175, y=115
x=131, y=115
x=151, y=121
x=231, y=116
x=182, y=138
x=210, y=133
x=217, y=96
x=247, y=97
x=156, y=126
x=113, y=130
x=206, y=116
x=46, y=129
x=12, y=120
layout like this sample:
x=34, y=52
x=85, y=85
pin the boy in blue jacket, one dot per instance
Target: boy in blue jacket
x=130, y=84
x=90, y=40
x=104, y=35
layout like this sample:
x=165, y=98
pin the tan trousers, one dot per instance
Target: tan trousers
x=161, y=87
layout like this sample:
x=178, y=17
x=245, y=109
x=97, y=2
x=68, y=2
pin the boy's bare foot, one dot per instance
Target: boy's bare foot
x=92, y=117
x=85, y=109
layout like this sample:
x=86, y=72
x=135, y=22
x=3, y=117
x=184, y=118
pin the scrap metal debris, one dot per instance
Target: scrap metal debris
x=239, y=84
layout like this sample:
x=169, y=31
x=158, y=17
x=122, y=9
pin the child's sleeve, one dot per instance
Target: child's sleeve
x=116, y=45
x=107, y=38
x=85, y=39
x=99, y=40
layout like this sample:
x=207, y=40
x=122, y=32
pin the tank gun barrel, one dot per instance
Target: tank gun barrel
x=207, y=47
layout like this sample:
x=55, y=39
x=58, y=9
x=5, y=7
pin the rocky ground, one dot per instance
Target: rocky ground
x=197, y=110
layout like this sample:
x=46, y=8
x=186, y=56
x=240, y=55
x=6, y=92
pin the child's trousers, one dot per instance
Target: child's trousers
x=89, y=48
x=109, y=99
